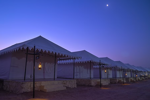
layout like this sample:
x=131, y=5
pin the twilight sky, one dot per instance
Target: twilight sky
x=120, y=31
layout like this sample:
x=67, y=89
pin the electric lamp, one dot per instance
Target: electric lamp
x=105, y=70
x=40, y=66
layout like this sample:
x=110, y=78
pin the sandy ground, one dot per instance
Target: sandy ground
x=131, y=91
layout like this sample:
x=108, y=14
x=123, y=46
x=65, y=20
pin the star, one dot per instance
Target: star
x=107, y=5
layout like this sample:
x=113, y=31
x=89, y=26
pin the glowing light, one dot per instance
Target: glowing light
x=104, y=88
x=126, y=74
x=136, y=75
x=107, y=5
x=105, y=70
x=40, y=66
x=125, y=84
x=37, y=99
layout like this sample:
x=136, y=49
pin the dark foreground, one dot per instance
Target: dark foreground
x=131, y=91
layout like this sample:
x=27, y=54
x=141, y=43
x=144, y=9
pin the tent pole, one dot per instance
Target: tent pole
x=54, y=66
x=107, y=73
x=132, y=73
x=34, y=75
x=120, y=73
x=135, y=75
x=100, y=73
x=116, y=72
x=26, y=64
x=123, y=75
x=73, y=68
x=90, y=69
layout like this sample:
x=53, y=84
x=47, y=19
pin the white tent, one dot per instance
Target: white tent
x=134, y=70
x=143, y=71
x=126, y=72
x=13, y=58
x=83, y=67
x=107, y=70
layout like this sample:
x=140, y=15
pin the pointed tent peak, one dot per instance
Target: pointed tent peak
x=130, y=66
x=108, y=61
x=86, y=56
x=41, y=43
x=80, y=51
x=121, y=64
x=127, y=63
x=84, y=52
x=117, y=61
x=142, y=68
x=106, y=58
x=103, y=57
x=40, y=36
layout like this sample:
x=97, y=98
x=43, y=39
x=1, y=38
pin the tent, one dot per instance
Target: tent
x=79, y=68
x=13, y=59
x=107, y=69
x=143, y=71
x=126, y=69
x=133, y=70
x=83, y=69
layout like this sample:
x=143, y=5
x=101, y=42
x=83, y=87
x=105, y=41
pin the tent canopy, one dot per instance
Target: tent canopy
x=142, y=69
x=122, y=65
x=132, y=67
x=108, y=61
x=85, y=57
x=40, y=43
x=148, y=69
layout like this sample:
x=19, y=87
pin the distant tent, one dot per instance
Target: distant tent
x=115, y=69
x=107, y=68
x=126, y=72
x=83, y=66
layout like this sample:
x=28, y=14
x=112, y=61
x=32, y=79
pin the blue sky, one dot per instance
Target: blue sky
x=120, y=31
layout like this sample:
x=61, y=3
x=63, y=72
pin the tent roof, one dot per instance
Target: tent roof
x=40, y=43
x=85, y=57
x=108, y=61
x=132, y=67
x=148, y=69
x=142, y=68
x=122, y=65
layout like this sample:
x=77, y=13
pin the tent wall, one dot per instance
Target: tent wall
x=5, y=61
x=128, y=74
x=114, y=73
x=108, y=74
x=82, y=70
x=17, y=67
x=65, y=70
x=133, y=74
x=96, y=72
x=119, y=73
